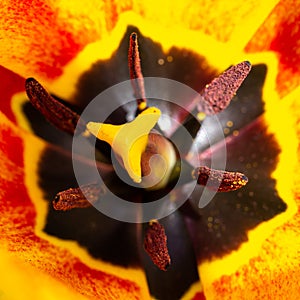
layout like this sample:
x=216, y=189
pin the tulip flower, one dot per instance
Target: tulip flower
x=241, y=245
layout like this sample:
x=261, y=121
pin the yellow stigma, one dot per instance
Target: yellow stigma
x=142, y=105
x=129, y=140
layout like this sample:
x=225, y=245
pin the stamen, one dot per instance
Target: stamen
x=222, y=181
x=136, y=76
x=217, y=95
x=54, y=111
x=155, y=244
x=75, y=197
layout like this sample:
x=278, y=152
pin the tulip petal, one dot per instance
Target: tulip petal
x=268, y=264
x=23, y=240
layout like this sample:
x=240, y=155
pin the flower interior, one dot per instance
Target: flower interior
x=137, y=145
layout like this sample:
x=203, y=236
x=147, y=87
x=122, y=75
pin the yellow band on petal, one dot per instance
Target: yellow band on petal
x=129, y=140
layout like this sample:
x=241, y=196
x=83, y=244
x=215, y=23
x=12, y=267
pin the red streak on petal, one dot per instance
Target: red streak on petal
x=111, y=15
x=199, y=296
x=287, y=44
x=60, y=58
x=11, y=83
x=281, y=33
x=16, y=209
